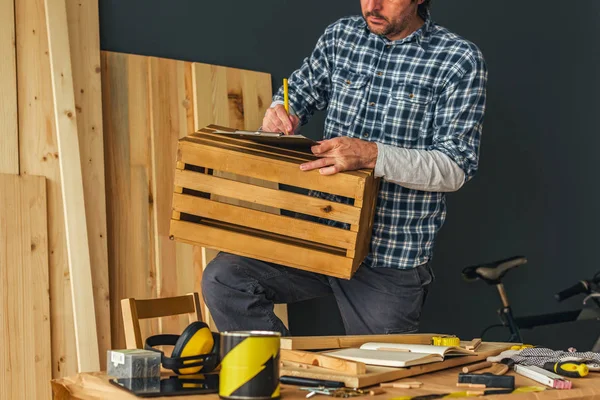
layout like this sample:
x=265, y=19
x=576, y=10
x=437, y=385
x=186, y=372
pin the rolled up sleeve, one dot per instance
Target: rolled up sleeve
x=460, y=109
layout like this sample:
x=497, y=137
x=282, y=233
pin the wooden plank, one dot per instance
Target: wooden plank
x=209, y=133
x=84, y=38
x=301, y=244
x=340, y=342
x=249, y=144
x=324, y=361
x=24, y=304
x=270, y=197
x=202, y=153
x=38, y=153
x=282, y=225
x=9, y=128
x=252, y=246
x=169, y=104
x=127, y=127
x=72, y=186
x=375, y=374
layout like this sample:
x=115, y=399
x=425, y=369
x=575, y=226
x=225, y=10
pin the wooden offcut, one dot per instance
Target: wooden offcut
x=208, y=221
x=25, y=359
x=323, y=360
x=341, y=342
x=72, y=187
x=474, y=344
x=9, y=131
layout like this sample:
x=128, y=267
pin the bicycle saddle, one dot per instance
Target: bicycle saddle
x=492, y=273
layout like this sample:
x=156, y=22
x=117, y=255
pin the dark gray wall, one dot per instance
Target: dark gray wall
x=536, y=192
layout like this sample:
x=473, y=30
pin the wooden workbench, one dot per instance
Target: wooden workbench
x=94, y=386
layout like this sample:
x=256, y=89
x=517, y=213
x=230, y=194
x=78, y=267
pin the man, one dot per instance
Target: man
x=403, y=96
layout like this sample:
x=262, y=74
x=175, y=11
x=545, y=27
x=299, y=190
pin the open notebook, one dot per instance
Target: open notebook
x=399, y=355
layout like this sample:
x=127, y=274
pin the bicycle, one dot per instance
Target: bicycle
x=492, y=274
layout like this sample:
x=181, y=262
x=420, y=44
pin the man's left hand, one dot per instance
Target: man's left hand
x=342, y=154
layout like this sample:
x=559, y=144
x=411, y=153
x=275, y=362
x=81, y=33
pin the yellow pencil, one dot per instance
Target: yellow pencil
x=286, y=98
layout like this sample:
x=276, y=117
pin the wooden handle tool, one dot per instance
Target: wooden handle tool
x=476, y=367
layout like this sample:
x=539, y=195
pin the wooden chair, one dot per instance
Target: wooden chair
x=133, y=310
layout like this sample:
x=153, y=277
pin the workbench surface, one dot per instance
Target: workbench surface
x=94, y=386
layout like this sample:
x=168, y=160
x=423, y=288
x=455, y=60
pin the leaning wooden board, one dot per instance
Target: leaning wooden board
x=377, y=374
x=149, y=103
x=38, y=153
x=171, y=110
x=84, y=39
x=129, y=185
x=78, y=249
x=24, y=300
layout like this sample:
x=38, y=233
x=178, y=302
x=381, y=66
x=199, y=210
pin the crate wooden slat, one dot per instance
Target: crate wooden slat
x=256, y=219
x=204, y=215
x=292, y=201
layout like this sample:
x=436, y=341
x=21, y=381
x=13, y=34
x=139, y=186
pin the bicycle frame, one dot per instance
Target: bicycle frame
x=515, y=324
x=507, y=317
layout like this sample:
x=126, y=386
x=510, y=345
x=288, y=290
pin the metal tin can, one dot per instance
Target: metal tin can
x=249, y=365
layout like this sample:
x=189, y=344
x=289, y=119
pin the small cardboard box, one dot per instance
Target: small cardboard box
x=220, y=201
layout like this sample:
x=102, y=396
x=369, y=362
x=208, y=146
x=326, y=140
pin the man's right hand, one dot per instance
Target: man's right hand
x=277, y=120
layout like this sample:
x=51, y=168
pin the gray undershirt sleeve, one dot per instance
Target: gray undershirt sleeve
x=427, y=170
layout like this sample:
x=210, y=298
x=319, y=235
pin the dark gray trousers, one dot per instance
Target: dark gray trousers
x=240, y=293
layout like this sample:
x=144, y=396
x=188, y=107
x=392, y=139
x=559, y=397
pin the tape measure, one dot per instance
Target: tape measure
x=521, y=347
x=445, y=341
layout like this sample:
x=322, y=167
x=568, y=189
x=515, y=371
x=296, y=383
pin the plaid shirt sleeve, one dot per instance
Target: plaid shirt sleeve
x=310, y=85
x=459, y=113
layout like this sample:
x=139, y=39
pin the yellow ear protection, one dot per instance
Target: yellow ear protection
x=195, y=350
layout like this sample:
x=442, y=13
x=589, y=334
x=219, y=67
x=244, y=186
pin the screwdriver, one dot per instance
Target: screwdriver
x=571, y=369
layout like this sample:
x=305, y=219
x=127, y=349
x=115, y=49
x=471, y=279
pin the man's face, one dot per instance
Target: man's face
x=389, y=17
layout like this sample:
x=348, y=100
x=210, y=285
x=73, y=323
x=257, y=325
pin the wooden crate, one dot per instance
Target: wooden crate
x=202, y=215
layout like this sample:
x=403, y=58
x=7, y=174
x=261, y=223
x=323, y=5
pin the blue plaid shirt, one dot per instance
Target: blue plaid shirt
x=426, y=91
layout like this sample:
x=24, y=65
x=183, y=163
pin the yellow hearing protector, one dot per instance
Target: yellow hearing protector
x=195, y=350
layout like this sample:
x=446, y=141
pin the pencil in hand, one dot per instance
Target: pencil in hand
x=286, y=97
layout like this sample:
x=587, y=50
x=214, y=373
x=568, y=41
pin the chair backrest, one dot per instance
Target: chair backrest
x=133, y=310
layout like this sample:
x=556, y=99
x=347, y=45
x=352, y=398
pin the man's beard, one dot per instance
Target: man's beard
x=387, y=28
